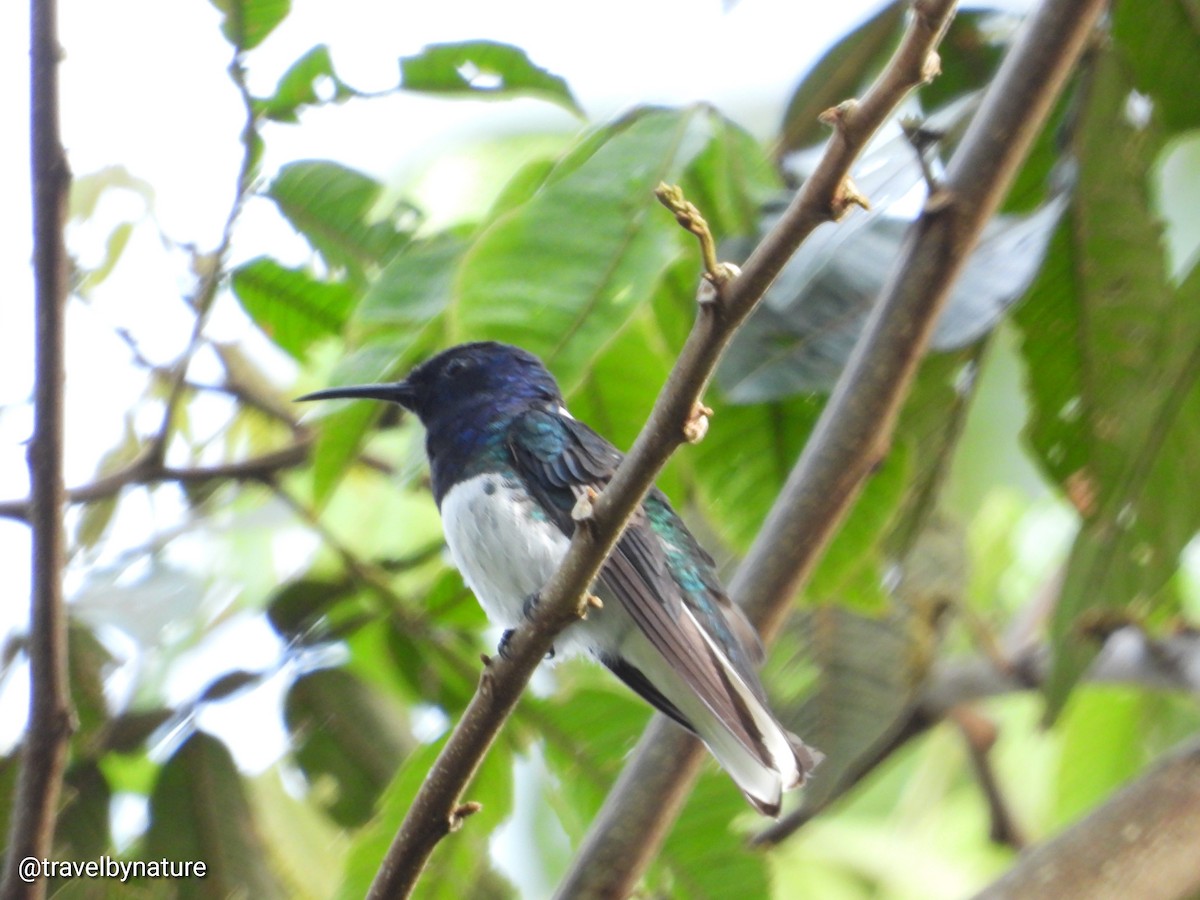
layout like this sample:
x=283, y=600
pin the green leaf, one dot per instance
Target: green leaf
x=483, y=69
x=311, y=80
x=114, y=247
x=1103, y=747
x=413, y=289
x=292, y=307
x=846, y=682
x=852, y=557
x=229, y=684
x=1161, y=44
x=970, y=53
x=563, y=273
x=199, y=811
x=246, y=23
x=587, y=733
x=129, y=731
x=298, y=610
x=705, y=857
x=729, y=181
x=1114, y=366
x=87, y=189
x=348, y=739
x=838, y=76
x=458, y=868
x=96, y=516
x=335, y=208
x=745, y=458
x=89, y=663
x=401, y=315
x=83, y=831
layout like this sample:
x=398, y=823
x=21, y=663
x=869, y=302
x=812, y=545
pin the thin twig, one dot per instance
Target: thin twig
x=979, y=734
x=44, y=749
x=825, y=196
x=147, y=469
x=855, y=429
x=211, y=266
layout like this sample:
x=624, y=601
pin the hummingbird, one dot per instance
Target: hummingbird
x=508, y=465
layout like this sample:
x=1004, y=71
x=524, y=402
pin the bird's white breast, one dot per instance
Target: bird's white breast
x=505, y=549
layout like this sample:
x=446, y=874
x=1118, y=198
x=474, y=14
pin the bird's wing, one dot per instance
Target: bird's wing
x=664, y=580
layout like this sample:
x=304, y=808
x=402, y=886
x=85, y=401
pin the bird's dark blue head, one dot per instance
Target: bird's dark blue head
x=465, y=397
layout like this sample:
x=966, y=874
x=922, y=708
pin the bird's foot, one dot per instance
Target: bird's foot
x=502, y=647
x=531, y=603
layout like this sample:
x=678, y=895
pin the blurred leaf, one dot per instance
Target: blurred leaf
x=414, y=287
x=298, y=608
x=483, y=69
x=854, y=555
x=745, y=459
x=199, y=810
x=82, y=831
x=431, y=674
x=742, y=464
x=292, y=307
x=593, y=273
x=96, y=516
x=729, y=181
x=335, y=208
x=619, y=388
x=129, y=731
x=246, y=23
x=705, y=857
x=838, y=76
x=309, y=847
x=800, y=336
x=970, y=53
x=1163, y=50
x=310, y=80
x=458, y=868
x=10, y=767
x=130, y=773
x=595, y=270
x=521, y=187
x=88, y=188
x=348, y=739
x=1100, y=750
x=849, y=682
x=1113, y=366
x=114, y=246
x=229, y=684
x=89, y=664
x=587, y=734
x=407, y=298
x=344, y=429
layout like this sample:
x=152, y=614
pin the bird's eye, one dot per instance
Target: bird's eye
x=456, y=367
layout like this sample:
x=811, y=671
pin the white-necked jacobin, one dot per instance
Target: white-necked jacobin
x=509, y=464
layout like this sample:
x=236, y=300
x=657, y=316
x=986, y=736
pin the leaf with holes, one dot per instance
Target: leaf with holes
x=1113, y=353
x=483, y=69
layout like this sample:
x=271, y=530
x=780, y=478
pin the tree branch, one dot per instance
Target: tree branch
x=44, y=750
x=148, y=469
x=436, y=810
x=1141, y=843
x=855, y=429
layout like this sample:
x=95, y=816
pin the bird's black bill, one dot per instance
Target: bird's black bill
x=398, y=392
